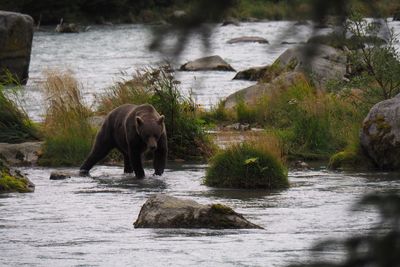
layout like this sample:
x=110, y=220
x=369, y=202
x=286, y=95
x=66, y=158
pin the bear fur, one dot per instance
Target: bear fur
x=132, y=130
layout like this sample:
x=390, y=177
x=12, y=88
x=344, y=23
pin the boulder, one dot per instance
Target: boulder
x=23, y=154
x=16, y=33
x=252, y=94
x=380, y=135
x=163, y=211
x=251, y=74
x=207, y=63
x=248, y=39
x=322, y=63
x=12, y=180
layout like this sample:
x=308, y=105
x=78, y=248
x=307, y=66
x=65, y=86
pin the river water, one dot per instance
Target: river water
x=89, y=221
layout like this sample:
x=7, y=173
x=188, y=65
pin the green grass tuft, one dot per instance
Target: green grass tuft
x=246, y=166
x=15, y=125
x=68, y=135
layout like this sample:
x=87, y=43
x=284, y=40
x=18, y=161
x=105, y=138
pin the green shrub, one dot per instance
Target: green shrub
x=186, y=136
x=15, y=125
x=68, y=135
x=246, y=166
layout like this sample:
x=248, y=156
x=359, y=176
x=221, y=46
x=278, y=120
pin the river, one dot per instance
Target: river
x=89, y=221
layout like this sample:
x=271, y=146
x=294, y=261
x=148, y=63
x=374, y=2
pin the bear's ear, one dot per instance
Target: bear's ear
x=139, y=121
x=161, y=119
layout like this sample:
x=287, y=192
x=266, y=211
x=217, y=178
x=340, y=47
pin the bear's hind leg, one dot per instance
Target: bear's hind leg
x=99, y=151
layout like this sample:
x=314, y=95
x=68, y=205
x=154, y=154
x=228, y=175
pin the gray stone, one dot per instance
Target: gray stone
x=163, y=211
x=248, y=39
x=253, y=94
x=16, y=33
x=322, y=63
x=380, y=135
x=23, y=154
x=207, y=63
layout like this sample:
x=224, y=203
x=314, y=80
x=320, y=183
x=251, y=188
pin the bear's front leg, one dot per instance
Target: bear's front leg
x=137, y=165
x=127, y=165
x=160, y=156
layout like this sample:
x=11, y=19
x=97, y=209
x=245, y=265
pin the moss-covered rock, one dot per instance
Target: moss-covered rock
x=163, y=211
x=13, y=181
x=380, y=136
x=350, y=159
x=246, y=166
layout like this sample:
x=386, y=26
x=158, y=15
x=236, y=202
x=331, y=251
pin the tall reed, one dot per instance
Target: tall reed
x=68, y=134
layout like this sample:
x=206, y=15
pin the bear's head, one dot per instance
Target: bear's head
x=150, y=131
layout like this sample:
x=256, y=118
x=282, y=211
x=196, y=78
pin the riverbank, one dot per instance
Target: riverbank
x=116, y=12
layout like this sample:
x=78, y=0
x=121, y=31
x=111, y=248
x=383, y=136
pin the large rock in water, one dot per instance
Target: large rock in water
x=207, y=63
x=322, y=62
x=380, y=136
x=16, y=33
x=162, y=211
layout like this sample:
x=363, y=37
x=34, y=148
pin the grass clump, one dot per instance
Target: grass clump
x=157, y=86
x=12, y=182
x=15, y=125
x=247, y=165
x=68, y=135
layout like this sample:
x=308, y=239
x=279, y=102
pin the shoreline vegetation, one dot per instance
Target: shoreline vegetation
x=48, y=12
x=307, y=122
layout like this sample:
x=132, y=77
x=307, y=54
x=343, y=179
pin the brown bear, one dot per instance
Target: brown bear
x=132, y=130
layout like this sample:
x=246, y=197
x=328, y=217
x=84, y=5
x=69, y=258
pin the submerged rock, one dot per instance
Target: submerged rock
x=16, y=33
x=163, y=211
x=207, y=63
x=58, y=175
x=380, y=136
x=23, y=154
x=248, y=39
x=14, y=181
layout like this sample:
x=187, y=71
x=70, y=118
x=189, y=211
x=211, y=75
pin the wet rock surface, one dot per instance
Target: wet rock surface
x=207, y=63
x=163, y=211
x=248, y=39
x=16, y=34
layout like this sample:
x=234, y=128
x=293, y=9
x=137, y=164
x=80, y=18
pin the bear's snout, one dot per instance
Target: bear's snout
x=152, y=144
